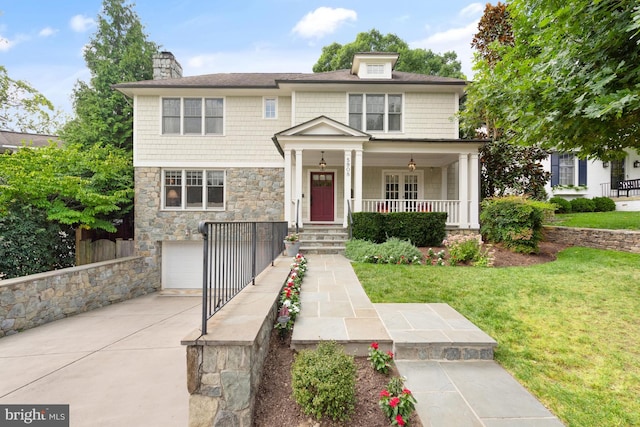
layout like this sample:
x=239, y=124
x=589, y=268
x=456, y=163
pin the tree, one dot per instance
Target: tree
x=24, y=109
x=506, y=168
x=338, y=57
x=571, y=79
x=118, y=52
x=74, y=185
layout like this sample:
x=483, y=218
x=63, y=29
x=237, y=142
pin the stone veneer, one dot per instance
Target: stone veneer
x=618, y=240
x=30, y=301
x=251, y=194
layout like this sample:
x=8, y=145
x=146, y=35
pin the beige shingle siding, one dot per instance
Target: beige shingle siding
x=310, y=105
x=247, y=135
x=430, y=115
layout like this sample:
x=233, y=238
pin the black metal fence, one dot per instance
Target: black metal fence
x=234, y=253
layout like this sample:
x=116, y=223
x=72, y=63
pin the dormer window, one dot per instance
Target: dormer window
x=374, y=65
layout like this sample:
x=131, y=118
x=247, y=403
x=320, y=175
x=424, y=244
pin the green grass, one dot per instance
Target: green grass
x=567, y=330
x=616, y=220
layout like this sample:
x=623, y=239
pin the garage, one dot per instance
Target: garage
x=182, y=265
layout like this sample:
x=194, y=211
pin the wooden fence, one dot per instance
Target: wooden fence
x=88, y=252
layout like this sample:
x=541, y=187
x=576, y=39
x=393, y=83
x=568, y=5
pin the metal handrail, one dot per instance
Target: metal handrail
x=234, y=253
x=349, y=219
x=297, y=215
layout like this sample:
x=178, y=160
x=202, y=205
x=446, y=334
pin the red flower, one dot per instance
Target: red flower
x=406, y=391
x=384, y=393
x=394, y=401
x=390, y=353
x=399, y=420
x=374, y=345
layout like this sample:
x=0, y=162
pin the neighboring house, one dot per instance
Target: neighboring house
x=572, y=177
x=12, y=141
x=303, y=148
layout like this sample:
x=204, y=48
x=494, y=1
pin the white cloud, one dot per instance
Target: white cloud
x=5, y=44
x=473, y=10
x=457, y=39
x=323, y=21
x=80, y=23
x=47, y=31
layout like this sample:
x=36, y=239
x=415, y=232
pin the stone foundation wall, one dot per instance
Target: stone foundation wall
x=618, y=240
x=30, y=301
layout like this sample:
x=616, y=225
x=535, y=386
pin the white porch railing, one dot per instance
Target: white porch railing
x=451, y=207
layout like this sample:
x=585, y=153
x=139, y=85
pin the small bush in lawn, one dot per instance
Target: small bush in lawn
x=604, y=204
x=563, y=206
x=582, y=205
x=324, y=382
x=393, y=251
x=467, y=249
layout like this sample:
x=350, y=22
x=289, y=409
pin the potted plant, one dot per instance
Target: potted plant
x=292, y=244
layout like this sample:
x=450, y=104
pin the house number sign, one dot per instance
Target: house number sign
x=348, y=166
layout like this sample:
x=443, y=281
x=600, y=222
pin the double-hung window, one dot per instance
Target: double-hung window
x=375, y=112
x=193, y=116
x=193, y=189
x=270, y=108
x=564, y=167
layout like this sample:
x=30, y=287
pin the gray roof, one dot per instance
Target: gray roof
x=13, y=140
x=273, y=80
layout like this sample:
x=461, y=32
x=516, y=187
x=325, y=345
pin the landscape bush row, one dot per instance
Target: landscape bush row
x=582, y=204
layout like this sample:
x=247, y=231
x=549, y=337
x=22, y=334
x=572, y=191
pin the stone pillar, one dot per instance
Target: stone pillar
x=165, y=66
x=474, y=196
x=288, y=204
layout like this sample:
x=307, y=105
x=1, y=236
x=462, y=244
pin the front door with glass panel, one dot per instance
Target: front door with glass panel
x=322, y=208
x=400, y=192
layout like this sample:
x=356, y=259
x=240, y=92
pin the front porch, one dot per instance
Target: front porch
x=332, y=170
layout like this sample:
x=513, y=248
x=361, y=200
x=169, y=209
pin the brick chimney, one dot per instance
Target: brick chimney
x=165, y=66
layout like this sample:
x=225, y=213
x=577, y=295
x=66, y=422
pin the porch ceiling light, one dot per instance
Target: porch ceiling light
x=412, y=164
x=322, y=163
x=636, y=164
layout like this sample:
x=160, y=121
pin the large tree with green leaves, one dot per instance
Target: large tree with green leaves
x=24, y=109
x=571, y=80
x=338, y=57
x=118, y=52
x=74, y=185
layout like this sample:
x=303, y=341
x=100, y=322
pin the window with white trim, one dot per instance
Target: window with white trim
x=193, y=116
x=375, y=112
x=270, y=108
x=402, y=190
x=375, y=69
x=193, y=189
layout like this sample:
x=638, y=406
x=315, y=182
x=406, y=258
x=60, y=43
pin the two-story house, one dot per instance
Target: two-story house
x=299, y=147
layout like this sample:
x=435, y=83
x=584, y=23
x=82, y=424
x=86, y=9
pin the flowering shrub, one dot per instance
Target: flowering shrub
x=293, y=237
x=435, y=258
x=469, y=249
x=393, y=251
x=380, y=360
x=289, y=303
x=397, y=402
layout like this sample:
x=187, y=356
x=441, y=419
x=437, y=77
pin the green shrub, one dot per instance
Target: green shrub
x=515, y=221
x=563, y=206
x=467, y=249
x=604, y=204
x=582, y=205
x=421, y=228
x=324, y=382
x=393, y=251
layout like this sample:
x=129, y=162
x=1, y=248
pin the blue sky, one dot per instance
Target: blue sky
x=41, y=41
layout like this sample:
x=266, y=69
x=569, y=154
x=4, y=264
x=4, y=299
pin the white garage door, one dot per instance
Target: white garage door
x=181, y=265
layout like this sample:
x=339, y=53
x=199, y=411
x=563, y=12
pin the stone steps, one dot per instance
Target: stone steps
x=323, y=239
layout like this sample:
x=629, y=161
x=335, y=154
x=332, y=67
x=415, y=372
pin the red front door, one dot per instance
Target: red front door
x=322, y=196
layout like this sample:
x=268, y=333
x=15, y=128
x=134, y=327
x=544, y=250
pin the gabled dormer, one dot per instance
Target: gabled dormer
x=374, y=65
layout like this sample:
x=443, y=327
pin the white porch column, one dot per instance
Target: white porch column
x=357, y=203
x=463, y=189
x=298, y=188
x=288, y=208
x=444, y=186
x=474, y=196
x=347, y=186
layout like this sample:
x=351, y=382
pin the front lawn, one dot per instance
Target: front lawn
x=616, y=220
x=567, y=330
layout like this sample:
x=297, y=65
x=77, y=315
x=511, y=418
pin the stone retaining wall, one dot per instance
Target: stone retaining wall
x=30, y=301
x=224, y=367
x=618, y=240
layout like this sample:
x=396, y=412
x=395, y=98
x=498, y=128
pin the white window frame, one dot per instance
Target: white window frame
x=567, y=169
x=385, y=126
x=182, y=173
x=401, y=183
x=265, y=110
x=203, y=116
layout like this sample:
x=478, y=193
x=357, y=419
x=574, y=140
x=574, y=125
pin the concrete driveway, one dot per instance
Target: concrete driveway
x=120, y=365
